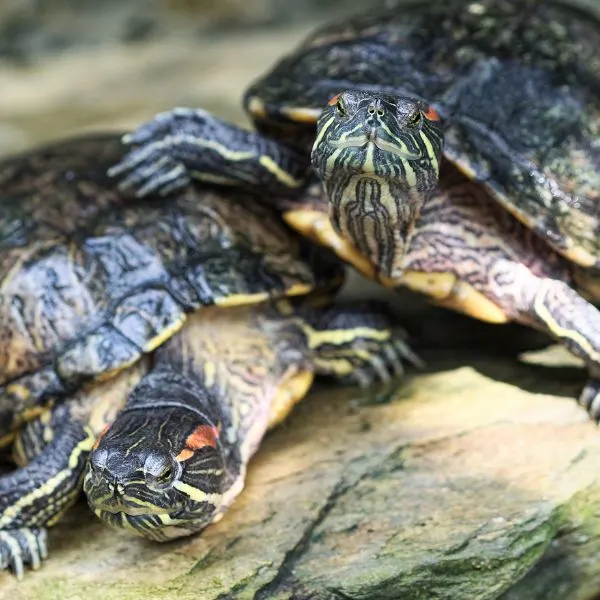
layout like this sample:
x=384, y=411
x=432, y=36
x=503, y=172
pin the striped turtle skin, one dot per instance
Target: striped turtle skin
x=454, y=147
x=110, y=301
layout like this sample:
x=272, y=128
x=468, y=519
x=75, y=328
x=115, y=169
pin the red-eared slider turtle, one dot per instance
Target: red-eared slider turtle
x=512, y=89
x=93, y=282
x=176, y=457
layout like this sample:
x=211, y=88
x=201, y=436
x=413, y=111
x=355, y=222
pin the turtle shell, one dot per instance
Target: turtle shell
x=91, y=279
x=517, y=82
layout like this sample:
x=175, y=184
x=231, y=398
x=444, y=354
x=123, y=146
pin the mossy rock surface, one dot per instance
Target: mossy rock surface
x=478, y=479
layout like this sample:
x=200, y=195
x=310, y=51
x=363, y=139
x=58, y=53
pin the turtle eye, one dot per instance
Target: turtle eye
x=414, y=119
x=166, y=475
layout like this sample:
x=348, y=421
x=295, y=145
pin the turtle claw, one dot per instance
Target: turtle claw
x=590, y=399
x=386, y=365
x=404, y=351
x=152, y=171
x=175, y=179
x=20, y=547
x=156, y=162
x=167, y=123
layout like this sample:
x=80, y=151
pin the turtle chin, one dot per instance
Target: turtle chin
x=154, y=521
x=156, y=527
x=373, y=199
x=378, y=159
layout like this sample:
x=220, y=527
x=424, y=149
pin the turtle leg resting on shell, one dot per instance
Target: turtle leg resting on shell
x=381, y=200
x=197, y=413
x=187, y=144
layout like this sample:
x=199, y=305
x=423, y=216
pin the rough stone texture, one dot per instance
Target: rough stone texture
x=477, y=480
x=471, y=481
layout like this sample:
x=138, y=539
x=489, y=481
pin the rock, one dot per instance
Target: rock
x=477, y=479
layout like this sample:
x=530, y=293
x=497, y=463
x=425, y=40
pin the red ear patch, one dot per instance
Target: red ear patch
x=203, y=435
x=432, y=114
x=333, y=101
x=100, y=436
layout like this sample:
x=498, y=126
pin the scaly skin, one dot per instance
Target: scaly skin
x=463, y=232
x=86, y=294
x=378, y=157
x=52, y=453
x=470, y=255
x=176, y=457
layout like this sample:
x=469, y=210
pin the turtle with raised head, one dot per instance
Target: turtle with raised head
x=457, y=144
x=94, y=282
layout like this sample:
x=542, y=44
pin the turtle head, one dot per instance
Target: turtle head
x=159, y=472
x=378, y=157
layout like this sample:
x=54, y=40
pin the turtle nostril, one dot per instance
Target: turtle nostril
x=375, y=108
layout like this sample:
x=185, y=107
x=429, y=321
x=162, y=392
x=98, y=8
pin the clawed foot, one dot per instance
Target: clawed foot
x=590, y=399
x=156, y=162
x=386, y=364
x=20, y=547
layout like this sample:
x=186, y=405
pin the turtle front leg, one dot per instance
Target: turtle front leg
x=37, y=494
x=558, y=309
x=471, y=255
x=553, y=306
x=356, y=343
x=52, y=452
x=185, y=144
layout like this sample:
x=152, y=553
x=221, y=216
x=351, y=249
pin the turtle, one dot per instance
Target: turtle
x=457, y=149
x=93, y=283
x=172, y=462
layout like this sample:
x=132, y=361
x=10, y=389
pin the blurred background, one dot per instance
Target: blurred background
x=72, y=65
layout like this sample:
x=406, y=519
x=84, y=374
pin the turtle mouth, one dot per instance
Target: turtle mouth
x=144, y=525
x=131, y=511
x=384, y=146
x=120, y=508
